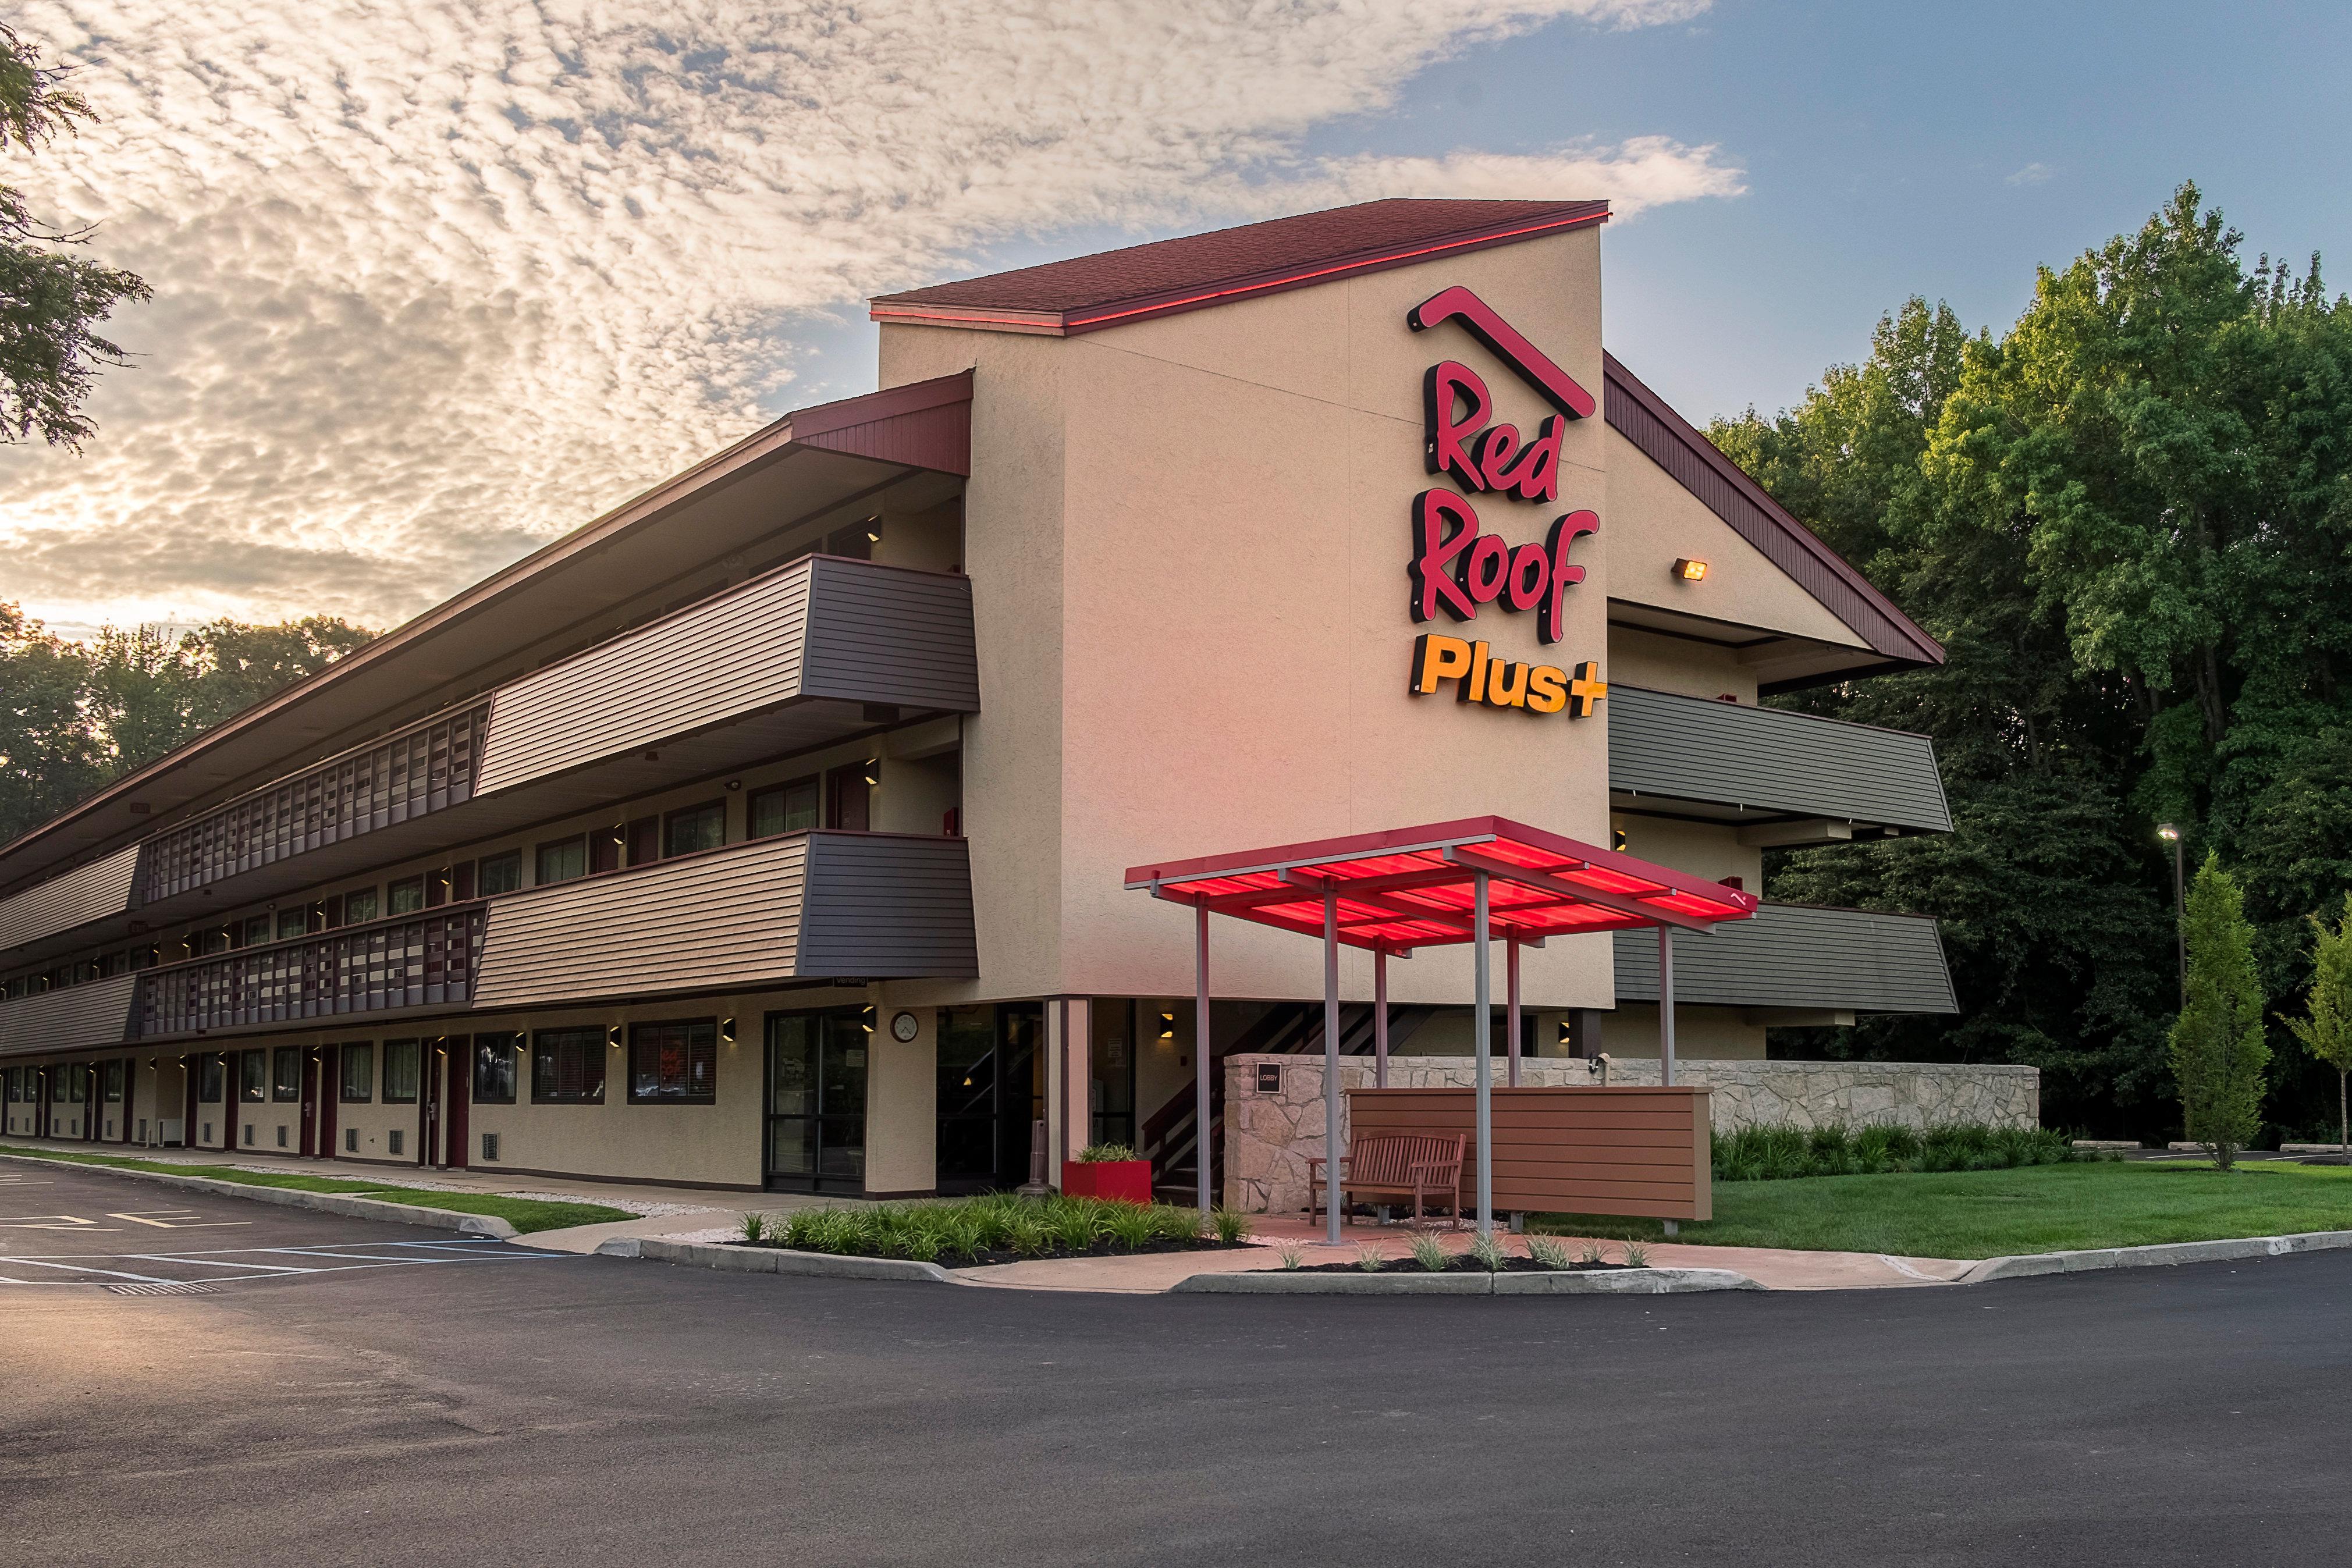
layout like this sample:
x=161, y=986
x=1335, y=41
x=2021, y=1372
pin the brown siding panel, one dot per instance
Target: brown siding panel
x=1799, y=955
x=706, y=921
x=820, y=627
x=89, y=892
x=75, y=1018
x=1635, y=1150
x=883, y=906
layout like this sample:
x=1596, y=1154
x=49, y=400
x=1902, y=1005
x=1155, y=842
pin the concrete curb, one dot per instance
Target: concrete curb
x=2165, y=1255
x=770, y=1261
x=344, y=1204
x=1612, y=1283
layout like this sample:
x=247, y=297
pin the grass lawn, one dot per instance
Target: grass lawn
x=524, y=1213
x=1988, y=1214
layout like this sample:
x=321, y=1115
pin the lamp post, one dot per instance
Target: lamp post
x=2170, y=834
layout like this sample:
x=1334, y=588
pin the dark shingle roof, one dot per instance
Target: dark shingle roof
x=1168, y=276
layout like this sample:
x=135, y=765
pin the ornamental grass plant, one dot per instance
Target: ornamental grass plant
x=953, y=1233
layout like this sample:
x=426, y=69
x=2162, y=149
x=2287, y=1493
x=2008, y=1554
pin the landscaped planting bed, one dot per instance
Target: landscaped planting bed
x=998, y=1228
x=1486, y=1255
x=1779, y=1154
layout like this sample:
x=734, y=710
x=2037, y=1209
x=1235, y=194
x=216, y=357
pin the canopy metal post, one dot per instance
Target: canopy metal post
x=1665, y=1004
x=1331, y=1060
x=1482, y=1035
x=1202, y=1151
x=1511, y=1006
x=1380, y=1018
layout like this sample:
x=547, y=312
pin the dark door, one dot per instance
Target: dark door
x=331, y=1097
x=192, y=1069
x=43, y=1114
x=429, y=1102
x=849, y=798
x=457, y=1074
x=816, y=1101
x=310, y=1135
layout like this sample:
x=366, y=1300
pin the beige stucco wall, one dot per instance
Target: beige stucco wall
x=1653, y=522
x=1226, y=623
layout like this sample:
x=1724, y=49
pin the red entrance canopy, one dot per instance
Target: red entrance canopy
x=1412, y=887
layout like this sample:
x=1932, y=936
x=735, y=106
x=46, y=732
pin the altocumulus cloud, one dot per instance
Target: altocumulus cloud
x=436, y=281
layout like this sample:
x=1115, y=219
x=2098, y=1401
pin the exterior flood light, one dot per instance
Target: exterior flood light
x=2168, y=833
x=1690, y=570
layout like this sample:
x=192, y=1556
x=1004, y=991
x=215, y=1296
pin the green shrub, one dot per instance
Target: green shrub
x=1430, y=1253
x=1131, y=1226
x=1105, y=1154
x=1232, y=1225
x=1490, y=1252
x=1368, y=1257
x=1780, y=1153
x=755, y=1227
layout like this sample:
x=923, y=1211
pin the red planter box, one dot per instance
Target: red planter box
x=1122, y=1181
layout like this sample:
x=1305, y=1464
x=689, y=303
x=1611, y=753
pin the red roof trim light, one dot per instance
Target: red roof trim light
x=1413, y=887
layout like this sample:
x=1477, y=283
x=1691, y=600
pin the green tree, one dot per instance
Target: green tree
x=74, y=717
x=2129, y=520
x=51, y=299
x=51, y=754
x=2326, y=1028
x=2218, y=1051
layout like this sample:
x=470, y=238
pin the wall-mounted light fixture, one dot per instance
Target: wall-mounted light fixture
x=874, y=771
x=865, y=1018
x=873, y=529
x=727, y=1030
x=1690, y=570
x=612, y=1035
x=1166, y=1025
x=1617, y=838
x=734, y=783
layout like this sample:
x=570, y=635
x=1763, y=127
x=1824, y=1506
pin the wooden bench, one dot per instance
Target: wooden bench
x=1424, y=1166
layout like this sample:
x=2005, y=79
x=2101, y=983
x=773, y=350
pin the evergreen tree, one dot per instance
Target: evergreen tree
x=2219, y=1053
x=2326, y=1028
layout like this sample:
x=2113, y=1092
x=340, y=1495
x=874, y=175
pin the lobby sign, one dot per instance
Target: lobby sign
x=1458, y=567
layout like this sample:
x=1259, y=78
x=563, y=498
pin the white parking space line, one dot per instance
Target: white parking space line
x=230, y=1263
x=87, y=1269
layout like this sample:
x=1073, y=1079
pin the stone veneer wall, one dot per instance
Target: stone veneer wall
x=1268, y=1137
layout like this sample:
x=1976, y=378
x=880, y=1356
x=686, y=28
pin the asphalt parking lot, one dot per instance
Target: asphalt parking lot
x=597, y=1411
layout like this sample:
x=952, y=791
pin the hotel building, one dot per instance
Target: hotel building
x=770, y=830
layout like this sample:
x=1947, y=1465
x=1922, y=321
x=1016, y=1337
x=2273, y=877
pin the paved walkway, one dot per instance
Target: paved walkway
x=1775, y=1268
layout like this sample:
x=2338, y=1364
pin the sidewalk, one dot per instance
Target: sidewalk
x=1774, y=1268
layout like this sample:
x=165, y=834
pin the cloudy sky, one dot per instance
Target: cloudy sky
x=436, y=280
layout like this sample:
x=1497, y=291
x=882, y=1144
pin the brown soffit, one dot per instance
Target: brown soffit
x=1670, y=442
x=1084, y=294
x=924, y=424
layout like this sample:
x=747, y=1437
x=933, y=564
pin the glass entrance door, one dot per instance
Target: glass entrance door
x=816, y=1101
x=991, y=1088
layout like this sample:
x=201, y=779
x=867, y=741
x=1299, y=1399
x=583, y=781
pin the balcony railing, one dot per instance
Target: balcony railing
x=1744, y=764
x=426, y=770
x=1799, y=955
x=425, y=960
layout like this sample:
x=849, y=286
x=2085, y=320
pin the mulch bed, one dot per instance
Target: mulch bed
x=1461, y=1264
x=1050, y=1254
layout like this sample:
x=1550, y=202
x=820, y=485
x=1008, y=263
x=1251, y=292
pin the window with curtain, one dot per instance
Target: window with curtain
x=494, y=1068
x=567, y=1067
x=401, y=1060
x=359, y=1074
x=674, y=1063
x=786, y=808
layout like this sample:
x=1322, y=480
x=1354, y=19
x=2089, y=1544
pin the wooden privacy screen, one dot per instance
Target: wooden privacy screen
x=1629, y=1151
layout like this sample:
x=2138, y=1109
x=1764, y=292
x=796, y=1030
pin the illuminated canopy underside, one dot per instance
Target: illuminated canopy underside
x=1414, y=887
